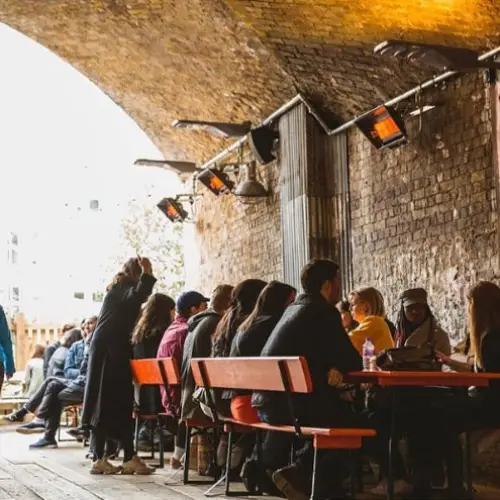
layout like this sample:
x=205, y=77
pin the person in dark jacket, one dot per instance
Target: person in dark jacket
x=7, y=367
x=311, y=327
x=253, y=334
x=157, y=315
x=77, y=351
x=108, y=401
x=199, y=344
x=58, y=359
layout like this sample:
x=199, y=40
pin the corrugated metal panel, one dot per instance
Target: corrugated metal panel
x=293, y=194
x=339, y=152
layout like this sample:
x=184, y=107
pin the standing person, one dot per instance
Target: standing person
x=172, y=346
x=7, y=367
x=416, y=325
x=33, y=373
x=108, y=401
x=157, y=315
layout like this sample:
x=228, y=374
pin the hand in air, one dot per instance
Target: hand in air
x=145, y=264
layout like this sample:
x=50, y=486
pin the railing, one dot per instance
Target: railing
x=27, y=335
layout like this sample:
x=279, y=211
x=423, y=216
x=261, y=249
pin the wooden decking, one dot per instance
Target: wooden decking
x=62, y=474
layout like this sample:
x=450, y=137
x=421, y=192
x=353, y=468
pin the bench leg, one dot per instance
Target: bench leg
x=161, y=443
x=353, y=472
x=392, y=445
x=228, y=461
x=314, y=486
x=187, y=455
x=260, y=467
x=136, y=437
x=468, y=465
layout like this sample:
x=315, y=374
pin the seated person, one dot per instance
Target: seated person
x=172, y=346
x=348, y=322
x=253, y=334
x=368, y=310
x=33, y=373
x=310, y=327
x=417, y=326
x=58, y=359
x=51, y=349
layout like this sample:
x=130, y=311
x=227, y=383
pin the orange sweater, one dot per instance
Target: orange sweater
x=376, y=328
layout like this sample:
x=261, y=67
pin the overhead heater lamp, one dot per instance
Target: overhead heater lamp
x=173, y=210
x=383, y=127
x=216, y=181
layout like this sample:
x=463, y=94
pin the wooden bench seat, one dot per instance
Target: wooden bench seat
x=287, y=375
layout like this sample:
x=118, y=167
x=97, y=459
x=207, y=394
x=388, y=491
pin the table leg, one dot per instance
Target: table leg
x=468, y=464
x=392, y=443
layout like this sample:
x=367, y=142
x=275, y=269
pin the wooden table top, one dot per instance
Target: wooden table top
x=422, y=379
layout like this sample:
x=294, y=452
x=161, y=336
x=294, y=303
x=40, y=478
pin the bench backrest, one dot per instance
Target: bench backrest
x=149, y=371
x=257, y=374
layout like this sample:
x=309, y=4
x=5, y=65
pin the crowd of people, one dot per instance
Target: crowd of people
x=258, y=318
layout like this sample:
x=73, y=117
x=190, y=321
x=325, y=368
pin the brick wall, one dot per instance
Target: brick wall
x=237, y=241
x=424, y=214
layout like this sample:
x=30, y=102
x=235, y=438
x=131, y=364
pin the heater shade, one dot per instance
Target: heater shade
x=172, y=209
x=383, y=127
x=220, y=129
x=261, y=142
x=216, y=181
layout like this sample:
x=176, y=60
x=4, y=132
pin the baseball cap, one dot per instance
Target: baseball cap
x=190, y=299
x=414, y=296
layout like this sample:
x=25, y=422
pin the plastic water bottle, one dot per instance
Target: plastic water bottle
x=368, y=355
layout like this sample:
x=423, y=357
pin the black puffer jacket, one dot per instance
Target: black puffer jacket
x=198, y=344
x=311, y=328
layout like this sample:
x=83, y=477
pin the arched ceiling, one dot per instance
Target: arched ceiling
x=238, y=60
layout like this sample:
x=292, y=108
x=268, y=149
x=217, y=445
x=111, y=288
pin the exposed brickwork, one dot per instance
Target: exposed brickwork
x=424, y=214
x=239, y=241
x=241, y=59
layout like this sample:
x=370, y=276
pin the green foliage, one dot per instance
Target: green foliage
x=146, y=231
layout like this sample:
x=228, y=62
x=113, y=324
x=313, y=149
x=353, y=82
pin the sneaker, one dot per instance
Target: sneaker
x=15, y=417
x=137, y=466
x=290, y=482
x=104, y=467
x=31, y=428
x=401, y=488
x=44, y=443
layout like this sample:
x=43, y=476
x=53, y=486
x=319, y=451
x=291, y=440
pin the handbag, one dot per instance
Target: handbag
x=409, y=358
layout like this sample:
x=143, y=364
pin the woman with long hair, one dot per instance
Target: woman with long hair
x=416, y=325
x=243, y=300
x=156, y=316
x=253, y=334
x=108, y=401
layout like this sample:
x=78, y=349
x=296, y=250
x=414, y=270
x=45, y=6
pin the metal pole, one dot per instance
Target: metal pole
x=299, y=98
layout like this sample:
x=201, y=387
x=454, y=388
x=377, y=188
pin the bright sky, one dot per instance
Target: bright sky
x=64, y=142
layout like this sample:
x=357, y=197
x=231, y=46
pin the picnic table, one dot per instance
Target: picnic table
x=393, y=380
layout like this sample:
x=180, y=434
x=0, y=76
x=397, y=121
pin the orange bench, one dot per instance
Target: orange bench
x=287, y=374
x=165, y=372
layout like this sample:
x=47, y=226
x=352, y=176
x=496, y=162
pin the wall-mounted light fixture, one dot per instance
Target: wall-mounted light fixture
x=220, y=129
x=383, y=127
x=261, y=141
x=250, y=190
x=173, y=210
x=436, y=57
x=216, y=181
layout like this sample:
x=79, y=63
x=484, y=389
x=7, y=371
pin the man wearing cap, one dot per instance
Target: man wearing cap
x=172, y=346
x=416, y=325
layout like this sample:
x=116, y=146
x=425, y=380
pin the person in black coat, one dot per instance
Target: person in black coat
x=108, y=401
x=311, y=327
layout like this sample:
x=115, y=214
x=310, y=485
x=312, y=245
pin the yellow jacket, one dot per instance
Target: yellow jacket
x=376, y=328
